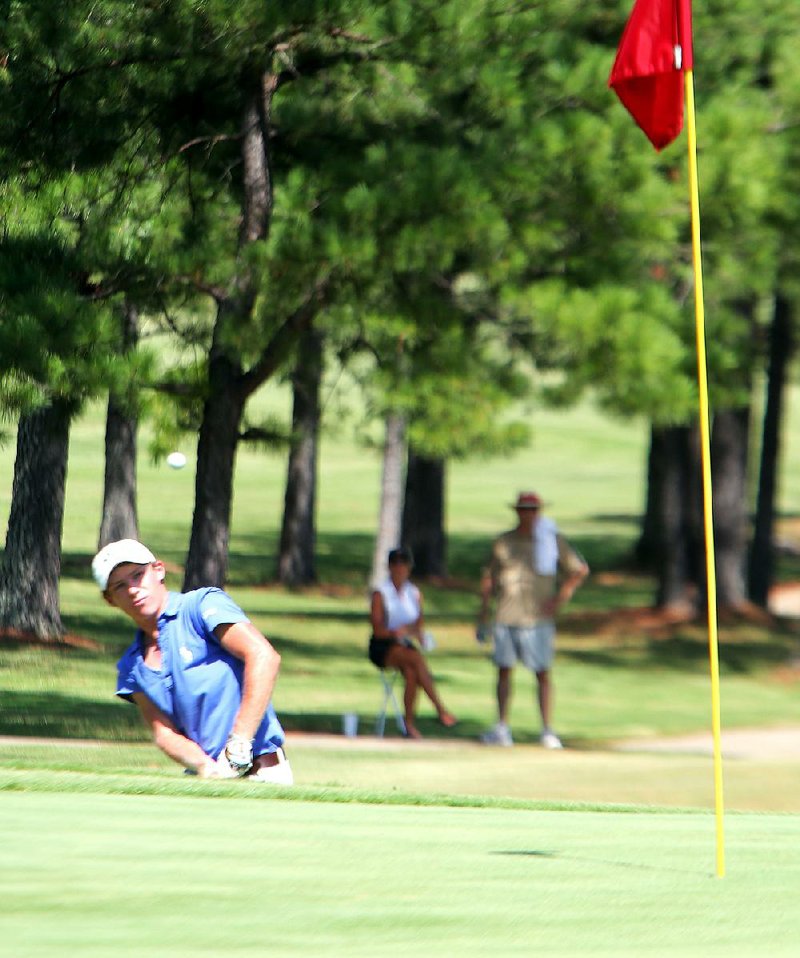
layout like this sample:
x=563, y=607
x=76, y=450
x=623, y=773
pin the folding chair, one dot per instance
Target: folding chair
x=388, y=678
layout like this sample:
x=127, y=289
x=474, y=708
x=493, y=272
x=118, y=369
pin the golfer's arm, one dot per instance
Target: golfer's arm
x=171, y=742
x=261, y=666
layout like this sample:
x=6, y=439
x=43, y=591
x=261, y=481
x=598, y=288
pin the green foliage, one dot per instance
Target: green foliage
x=48, y=332
x=618, y=342
x=406, y=165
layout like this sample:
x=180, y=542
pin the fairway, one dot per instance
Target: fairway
x=391, y=848
x=101, y=875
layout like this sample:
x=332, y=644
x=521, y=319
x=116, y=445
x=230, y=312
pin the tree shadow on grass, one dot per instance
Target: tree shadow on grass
x=346, y=557
x=341, y=558
x=112, y=634
x=55, y=715
x=331, y=723
x=312, y=615
x=685, y=653
x=317, y=650
x=525, y=853
x=614, y=863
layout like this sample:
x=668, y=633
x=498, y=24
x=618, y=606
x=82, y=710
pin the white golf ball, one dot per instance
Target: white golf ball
x=176, y=460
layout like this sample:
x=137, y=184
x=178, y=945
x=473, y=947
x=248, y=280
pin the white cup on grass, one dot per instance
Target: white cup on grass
x=350, y=724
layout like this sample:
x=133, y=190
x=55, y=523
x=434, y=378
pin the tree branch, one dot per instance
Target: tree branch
x=217, y=138
x=285, y=337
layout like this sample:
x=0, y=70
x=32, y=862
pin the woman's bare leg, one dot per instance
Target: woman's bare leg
x=411, y=663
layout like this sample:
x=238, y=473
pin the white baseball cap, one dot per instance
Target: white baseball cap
x=114, y=554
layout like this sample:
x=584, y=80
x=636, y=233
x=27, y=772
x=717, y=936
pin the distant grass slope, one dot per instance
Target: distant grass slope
x=589, y=467
x=610, y=682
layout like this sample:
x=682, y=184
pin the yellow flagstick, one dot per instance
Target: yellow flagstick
x=702, y=377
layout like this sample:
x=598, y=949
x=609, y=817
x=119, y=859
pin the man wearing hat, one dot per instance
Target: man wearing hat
x=532, y=571
x=200, y=673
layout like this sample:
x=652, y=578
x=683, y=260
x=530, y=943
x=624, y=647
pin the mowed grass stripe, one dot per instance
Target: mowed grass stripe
x=436, y=772
x=117, y=874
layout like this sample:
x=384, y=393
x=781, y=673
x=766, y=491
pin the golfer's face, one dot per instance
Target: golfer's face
x=138, y=590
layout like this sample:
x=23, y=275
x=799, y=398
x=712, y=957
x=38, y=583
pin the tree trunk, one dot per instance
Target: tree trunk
x=120, y=519
x=646, y=550
x=207, y=561
x=298, y=531
x=391, y=507
x=423, y=514
x=31, y=566
x=672, y=468
x=729, y=439
x=695, y=516
x=781, y=346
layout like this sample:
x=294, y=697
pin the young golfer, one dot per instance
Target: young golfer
x=200, y=673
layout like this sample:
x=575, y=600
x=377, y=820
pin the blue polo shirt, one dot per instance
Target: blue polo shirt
x=199, y=684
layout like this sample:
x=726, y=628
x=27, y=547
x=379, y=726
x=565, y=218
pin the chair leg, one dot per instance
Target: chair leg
x=398, y=715
x=380, y=721
x=389, y=698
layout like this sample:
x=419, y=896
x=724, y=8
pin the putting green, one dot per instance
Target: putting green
x=148, y=875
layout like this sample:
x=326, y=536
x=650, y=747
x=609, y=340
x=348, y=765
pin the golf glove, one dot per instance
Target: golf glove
x=239, y=753
x=483, y=633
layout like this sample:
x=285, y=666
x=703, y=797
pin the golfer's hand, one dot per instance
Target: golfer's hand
x=482, y=633
x=213, y=769
x=239, y=753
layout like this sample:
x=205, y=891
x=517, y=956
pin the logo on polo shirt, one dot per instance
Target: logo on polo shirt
x=185, y=654
x=209, y=612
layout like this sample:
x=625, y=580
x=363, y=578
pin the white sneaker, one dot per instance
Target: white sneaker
x=499, y=735
x=280, y=774
x=549, y=739
x=275, y=774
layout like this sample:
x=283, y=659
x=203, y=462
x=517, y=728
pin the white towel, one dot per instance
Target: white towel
x=545, y=547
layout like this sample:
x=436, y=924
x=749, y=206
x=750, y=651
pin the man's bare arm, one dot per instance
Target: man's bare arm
x=261, y=666
x=171, y=742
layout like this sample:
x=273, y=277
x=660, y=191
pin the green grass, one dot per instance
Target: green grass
x=607, y=687
x=169, y=876
x=397, y=848
x=611, y=682
x=436, y=772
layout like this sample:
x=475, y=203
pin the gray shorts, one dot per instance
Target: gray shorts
x=532, y=645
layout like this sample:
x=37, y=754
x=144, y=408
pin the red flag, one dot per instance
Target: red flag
x=655, y=49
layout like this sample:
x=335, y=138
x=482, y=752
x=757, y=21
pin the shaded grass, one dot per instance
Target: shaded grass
x=612, y=680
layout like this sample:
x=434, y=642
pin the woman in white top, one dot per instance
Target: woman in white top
x=397, y=618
